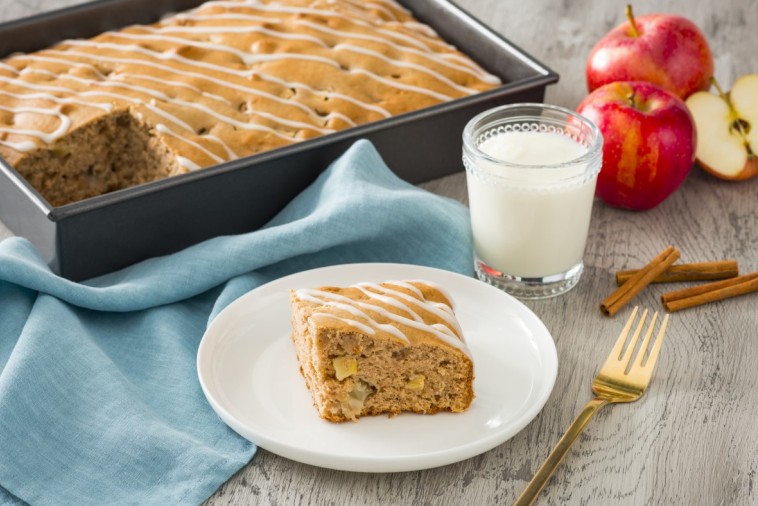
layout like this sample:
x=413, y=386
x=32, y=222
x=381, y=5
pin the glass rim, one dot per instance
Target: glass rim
x=469, y=135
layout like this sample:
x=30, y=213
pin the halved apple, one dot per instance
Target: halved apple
x=727, y=129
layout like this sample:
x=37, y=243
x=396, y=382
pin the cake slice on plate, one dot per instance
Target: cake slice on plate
x=371, y=348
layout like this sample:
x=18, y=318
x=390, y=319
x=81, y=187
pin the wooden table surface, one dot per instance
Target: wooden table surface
x=693, y=438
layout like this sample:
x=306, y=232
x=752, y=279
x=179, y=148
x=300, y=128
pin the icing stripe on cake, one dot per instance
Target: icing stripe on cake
x=447, y=331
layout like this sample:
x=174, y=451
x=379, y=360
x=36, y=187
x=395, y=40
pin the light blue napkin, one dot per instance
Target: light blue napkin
x=99, y=397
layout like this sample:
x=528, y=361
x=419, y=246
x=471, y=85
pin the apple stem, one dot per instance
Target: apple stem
x=632, y=23
x=631, y=100
x=723, y=95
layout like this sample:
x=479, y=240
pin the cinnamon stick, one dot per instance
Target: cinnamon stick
x=701, y=271
x=710, y=292
x=639, y=281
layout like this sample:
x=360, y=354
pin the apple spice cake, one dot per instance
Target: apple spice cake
x=371, y=348
x=225, y=80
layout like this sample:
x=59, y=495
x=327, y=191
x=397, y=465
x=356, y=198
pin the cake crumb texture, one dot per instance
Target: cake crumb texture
x=370, y=349
x=228, y=79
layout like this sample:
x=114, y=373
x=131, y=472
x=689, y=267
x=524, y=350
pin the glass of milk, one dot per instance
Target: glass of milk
x=531, y=171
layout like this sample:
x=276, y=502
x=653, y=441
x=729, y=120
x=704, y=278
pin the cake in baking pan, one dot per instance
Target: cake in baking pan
x=371, y=348
x=225, y=80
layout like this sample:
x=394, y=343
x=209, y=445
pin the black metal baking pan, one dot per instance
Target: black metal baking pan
x=105, y=233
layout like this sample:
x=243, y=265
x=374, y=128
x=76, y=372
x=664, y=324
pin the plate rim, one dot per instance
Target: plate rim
x=383, y=464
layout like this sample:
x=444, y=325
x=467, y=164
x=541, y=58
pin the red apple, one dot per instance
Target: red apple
x=663, y=49
x=649, y=142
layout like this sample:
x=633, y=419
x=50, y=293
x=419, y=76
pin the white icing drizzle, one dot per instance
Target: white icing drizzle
x=162, y=96
x=231, y=154
x=448, y=332
x=277, y=8
x=409, y=65
x=57, y=100
x=226, y=16
x=431, y=284
x=420, y=28
x=405, y=285
x=348, y=307
x=150, y=105
x=468, y=67
x=187, y=163
x=395, y=6
x=389, y=82
x=63, y=89
x=34, y=86
x=436, y=57
x=177, y=84
x=369, y=23
x=27, y=146
x=381, y=8
x=247, y=58
x=254, y=58
x=409, y=34
x=351, y=306
x=5, y=66
x=353, y=323
x=112, y=83
x=21, y=147
x=288, y=122
x=253, y=126
x=197, y=30
x=347, y=98
x=49, y=138
x=416, y=27
x=62, y=61
x=390, y=302
x=431, y=307
x=428, y=54
x=388, y=13
x=227, y=84
x=167, y=131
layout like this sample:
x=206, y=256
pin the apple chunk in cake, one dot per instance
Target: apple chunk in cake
x=371, y=348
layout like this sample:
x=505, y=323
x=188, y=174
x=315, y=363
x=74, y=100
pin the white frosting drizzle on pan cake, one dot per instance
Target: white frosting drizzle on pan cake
x=226, y=63
x=363, y=314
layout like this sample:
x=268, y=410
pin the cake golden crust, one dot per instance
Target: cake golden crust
x=374, y=348
x=228, y=79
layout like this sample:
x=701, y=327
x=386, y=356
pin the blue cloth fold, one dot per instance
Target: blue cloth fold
x=99, y=397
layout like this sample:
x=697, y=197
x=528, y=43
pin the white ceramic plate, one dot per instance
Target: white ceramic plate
x=249, y=373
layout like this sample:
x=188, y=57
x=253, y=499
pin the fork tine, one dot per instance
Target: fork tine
x=629, y=354
x=656, y=350
x=646, y=342
x=619, y=346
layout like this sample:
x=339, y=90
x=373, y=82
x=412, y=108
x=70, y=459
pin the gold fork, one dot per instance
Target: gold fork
x=619, y=380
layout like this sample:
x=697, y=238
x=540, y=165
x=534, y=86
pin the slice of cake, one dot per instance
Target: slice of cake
x=374, y=348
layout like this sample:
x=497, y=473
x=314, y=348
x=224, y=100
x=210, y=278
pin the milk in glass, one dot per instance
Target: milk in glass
x=527, y=228
x=531, y=173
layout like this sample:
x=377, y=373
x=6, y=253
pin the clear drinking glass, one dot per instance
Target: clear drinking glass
x=531, y=171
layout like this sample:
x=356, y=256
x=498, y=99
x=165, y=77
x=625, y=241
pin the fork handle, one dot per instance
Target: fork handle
x=540, y=479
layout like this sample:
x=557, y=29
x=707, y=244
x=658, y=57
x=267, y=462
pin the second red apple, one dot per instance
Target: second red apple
x=663, y=49
x=649, y=142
